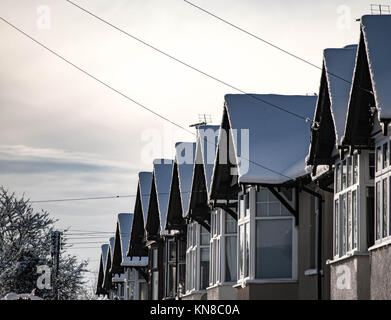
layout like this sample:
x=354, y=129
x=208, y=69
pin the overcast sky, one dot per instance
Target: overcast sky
x=63, y=135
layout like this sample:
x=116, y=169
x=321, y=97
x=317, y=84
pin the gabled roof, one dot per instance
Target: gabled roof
x=207, y=139
x=371, y=80
x=332, y=104
x=102, y=268
x=107, y=284
x=185, y=170
x=273, y=144
x=136, y=246
x=145, y=181
x=158, y=202
x=180, y=187
x=121, y=245
x=376, y=32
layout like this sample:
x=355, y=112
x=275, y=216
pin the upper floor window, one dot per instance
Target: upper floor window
x=197, y=257
x=274, y=237
x=382, y=188
x=272, y=253
x=223, y=246
x=352, y=175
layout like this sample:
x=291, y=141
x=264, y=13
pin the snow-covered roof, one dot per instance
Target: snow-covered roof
x=105, y=251
x=145, y=180
x=277, y=141
x=125, y=221
x=207, y=138
x=339, y=66
x=185, y=153
x=162, y=169
x=376, y=33
x=111, y=249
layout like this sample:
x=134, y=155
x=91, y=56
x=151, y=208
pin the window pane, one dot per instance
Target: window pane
x=372, y=165
x=154, y=258
x=241, y=207
x=336, y=228
x=247, y=250
x=194, y=231
x=218, y=221
x=241, y=250
x=155, y=285
x=385, y=208
x=344, y=224
x=247, y=204
x=355, y=168
x=274, y=209
x=262, y=195
x=378, y=158
x=338, y=178
x=354, y=217
x=230, y=258
x=230, y=224
x=349, y=171
x=274, y=249
x=172, y=251
x=143, y=291
x=204, y=268
x=344, y=174
x=349, y=226
x=385, y=155
x=378, y=208
x=205, y=236
x=262, y=209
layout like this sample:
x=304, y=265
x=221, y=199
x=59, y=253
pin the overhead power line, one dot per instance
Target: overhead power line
x=270, y=43
x=134, y=101
x=281, y=108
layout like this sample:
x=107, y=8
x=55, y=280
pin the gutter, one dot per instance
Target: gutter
x=319, y=205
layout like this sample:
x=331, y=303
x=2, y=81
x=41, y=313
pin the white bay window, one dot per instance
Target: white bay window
x=223, y=246
x=352, y=191
x=382, y=194
x=197, y=258
x=267, y=236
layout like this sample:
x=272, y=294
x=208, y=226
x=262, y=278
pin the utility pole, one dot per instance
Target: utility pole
x=55, y=253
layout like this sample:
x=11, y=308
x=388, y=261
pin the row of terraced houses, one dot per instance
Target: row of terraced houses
x=266, y=205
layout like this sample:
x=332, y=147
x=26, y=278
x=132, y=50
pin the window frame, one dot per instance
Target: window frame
x=382, y=174
x=193, y=257
x=250, y=219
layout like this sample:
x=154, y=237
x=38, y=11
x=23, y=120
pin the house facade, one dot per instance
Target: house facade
x=273, y=204
x=367, y=137
x=155, y=226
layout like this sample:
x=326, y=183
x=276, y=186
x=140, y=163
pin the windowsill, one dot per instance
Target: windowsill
x=312, y=272
x=385, y=243
x=221, y=284
x=245, y=282
x=187, y=294
x=347, y=256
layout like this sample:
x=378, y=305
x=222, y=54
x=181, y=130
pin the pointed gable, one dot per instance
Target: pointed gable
x=107, y=280
x=136, y=246
x=159, y=195
x=121, y=245
x=180, y=185
x=370, y=92
x=332, y=104
x=102, y=268
x=207, y=137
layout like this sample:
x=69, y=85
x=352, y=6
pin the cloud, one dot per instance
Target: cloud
x=26, y=159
